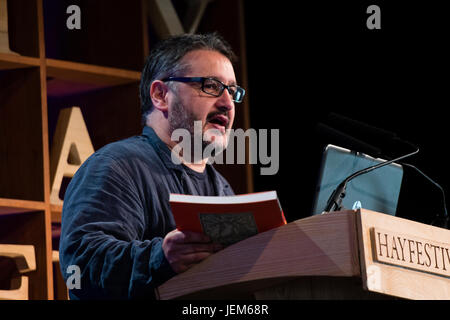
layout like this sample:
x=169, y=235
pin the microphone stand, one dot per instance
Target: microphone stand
x=335, y=201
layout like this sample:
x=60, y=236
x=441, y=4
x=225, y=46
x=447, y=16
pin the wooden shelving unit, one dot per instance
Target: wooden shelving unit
x=96, y=68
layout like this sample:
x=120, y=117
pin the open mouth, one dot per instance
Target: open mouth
x=219, y=120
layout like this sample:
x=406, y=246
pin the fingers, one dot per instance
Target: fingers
x=189, y=260
x=198, y=247
x=183, y=249
x=189, y=237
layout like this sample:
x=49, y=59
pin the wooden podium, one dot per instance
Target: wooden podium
x=342, y=255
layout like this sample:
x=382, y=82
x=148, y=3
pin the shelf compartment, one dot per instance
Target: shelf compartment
x=110, y=34
x=21, y=137
x=27, y=229
x=23, y=27
x=110, y=114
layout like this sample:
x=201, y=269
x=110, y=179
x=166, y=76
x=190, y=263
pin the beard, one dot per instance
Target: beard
x=213, y=140
x=180, y=118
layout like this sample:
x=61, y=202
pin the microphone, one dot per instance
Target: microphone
x=335, y=201
x=385, y=137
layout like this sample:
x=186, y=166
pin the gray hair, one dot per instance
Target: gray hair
x=165, y=61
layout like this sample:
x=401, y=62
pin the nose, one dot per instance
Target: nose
x=225, y=101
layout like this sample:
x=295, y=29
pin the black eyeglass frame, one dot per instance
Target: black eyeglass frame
x=239, y=91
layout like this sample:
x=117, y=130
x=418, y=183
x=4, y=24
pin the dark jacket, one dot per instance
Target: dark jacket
x=116, y=212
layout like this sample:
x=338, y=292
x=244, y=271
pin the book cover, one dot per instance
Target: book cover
x=229, y=219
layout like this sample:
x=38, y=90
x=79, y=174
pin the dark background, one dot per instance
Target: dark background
x=306, y=60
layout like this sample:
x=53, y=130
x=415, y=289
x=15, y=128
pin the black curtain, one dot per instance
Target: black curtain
x=307, y=60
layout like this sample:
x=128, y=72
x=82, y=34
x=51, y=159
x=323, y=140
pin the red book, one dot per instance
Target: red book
x=229, y=219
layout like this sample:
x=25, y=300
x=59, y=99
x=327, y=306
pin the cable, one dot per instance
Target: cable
x=445, y=217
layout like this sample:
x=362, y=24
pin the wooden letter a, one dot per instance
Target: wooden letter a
x=71, y=147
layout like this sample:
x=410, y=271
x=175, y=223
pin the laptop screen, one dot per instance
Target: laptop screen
x=377, y=190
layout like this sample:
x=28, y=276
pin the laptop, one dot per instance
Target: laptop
x=377, y=190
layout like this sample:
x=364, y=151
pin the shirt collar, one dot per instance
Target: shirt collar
x=162, y=149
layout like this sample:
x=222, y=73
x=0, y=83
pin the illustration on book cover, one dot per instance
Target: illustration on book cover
x=228, y=228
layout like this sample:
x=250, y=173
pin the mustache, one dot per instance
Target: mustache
x=220, y=117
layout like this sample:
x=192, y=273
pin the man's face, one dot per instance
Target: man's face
x=189, y=103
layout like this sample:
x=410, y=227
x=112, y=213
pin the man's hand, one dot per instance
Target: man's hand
x=183, y=249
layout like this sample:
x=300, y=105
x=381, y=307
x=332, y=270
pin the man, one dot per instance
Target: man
x=117, y=225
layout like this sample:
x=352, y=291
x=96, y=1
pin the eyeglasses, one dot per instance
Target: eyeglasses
x=213, y=87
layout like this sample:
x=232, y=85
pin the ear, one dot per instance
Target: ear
x=158, y=94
